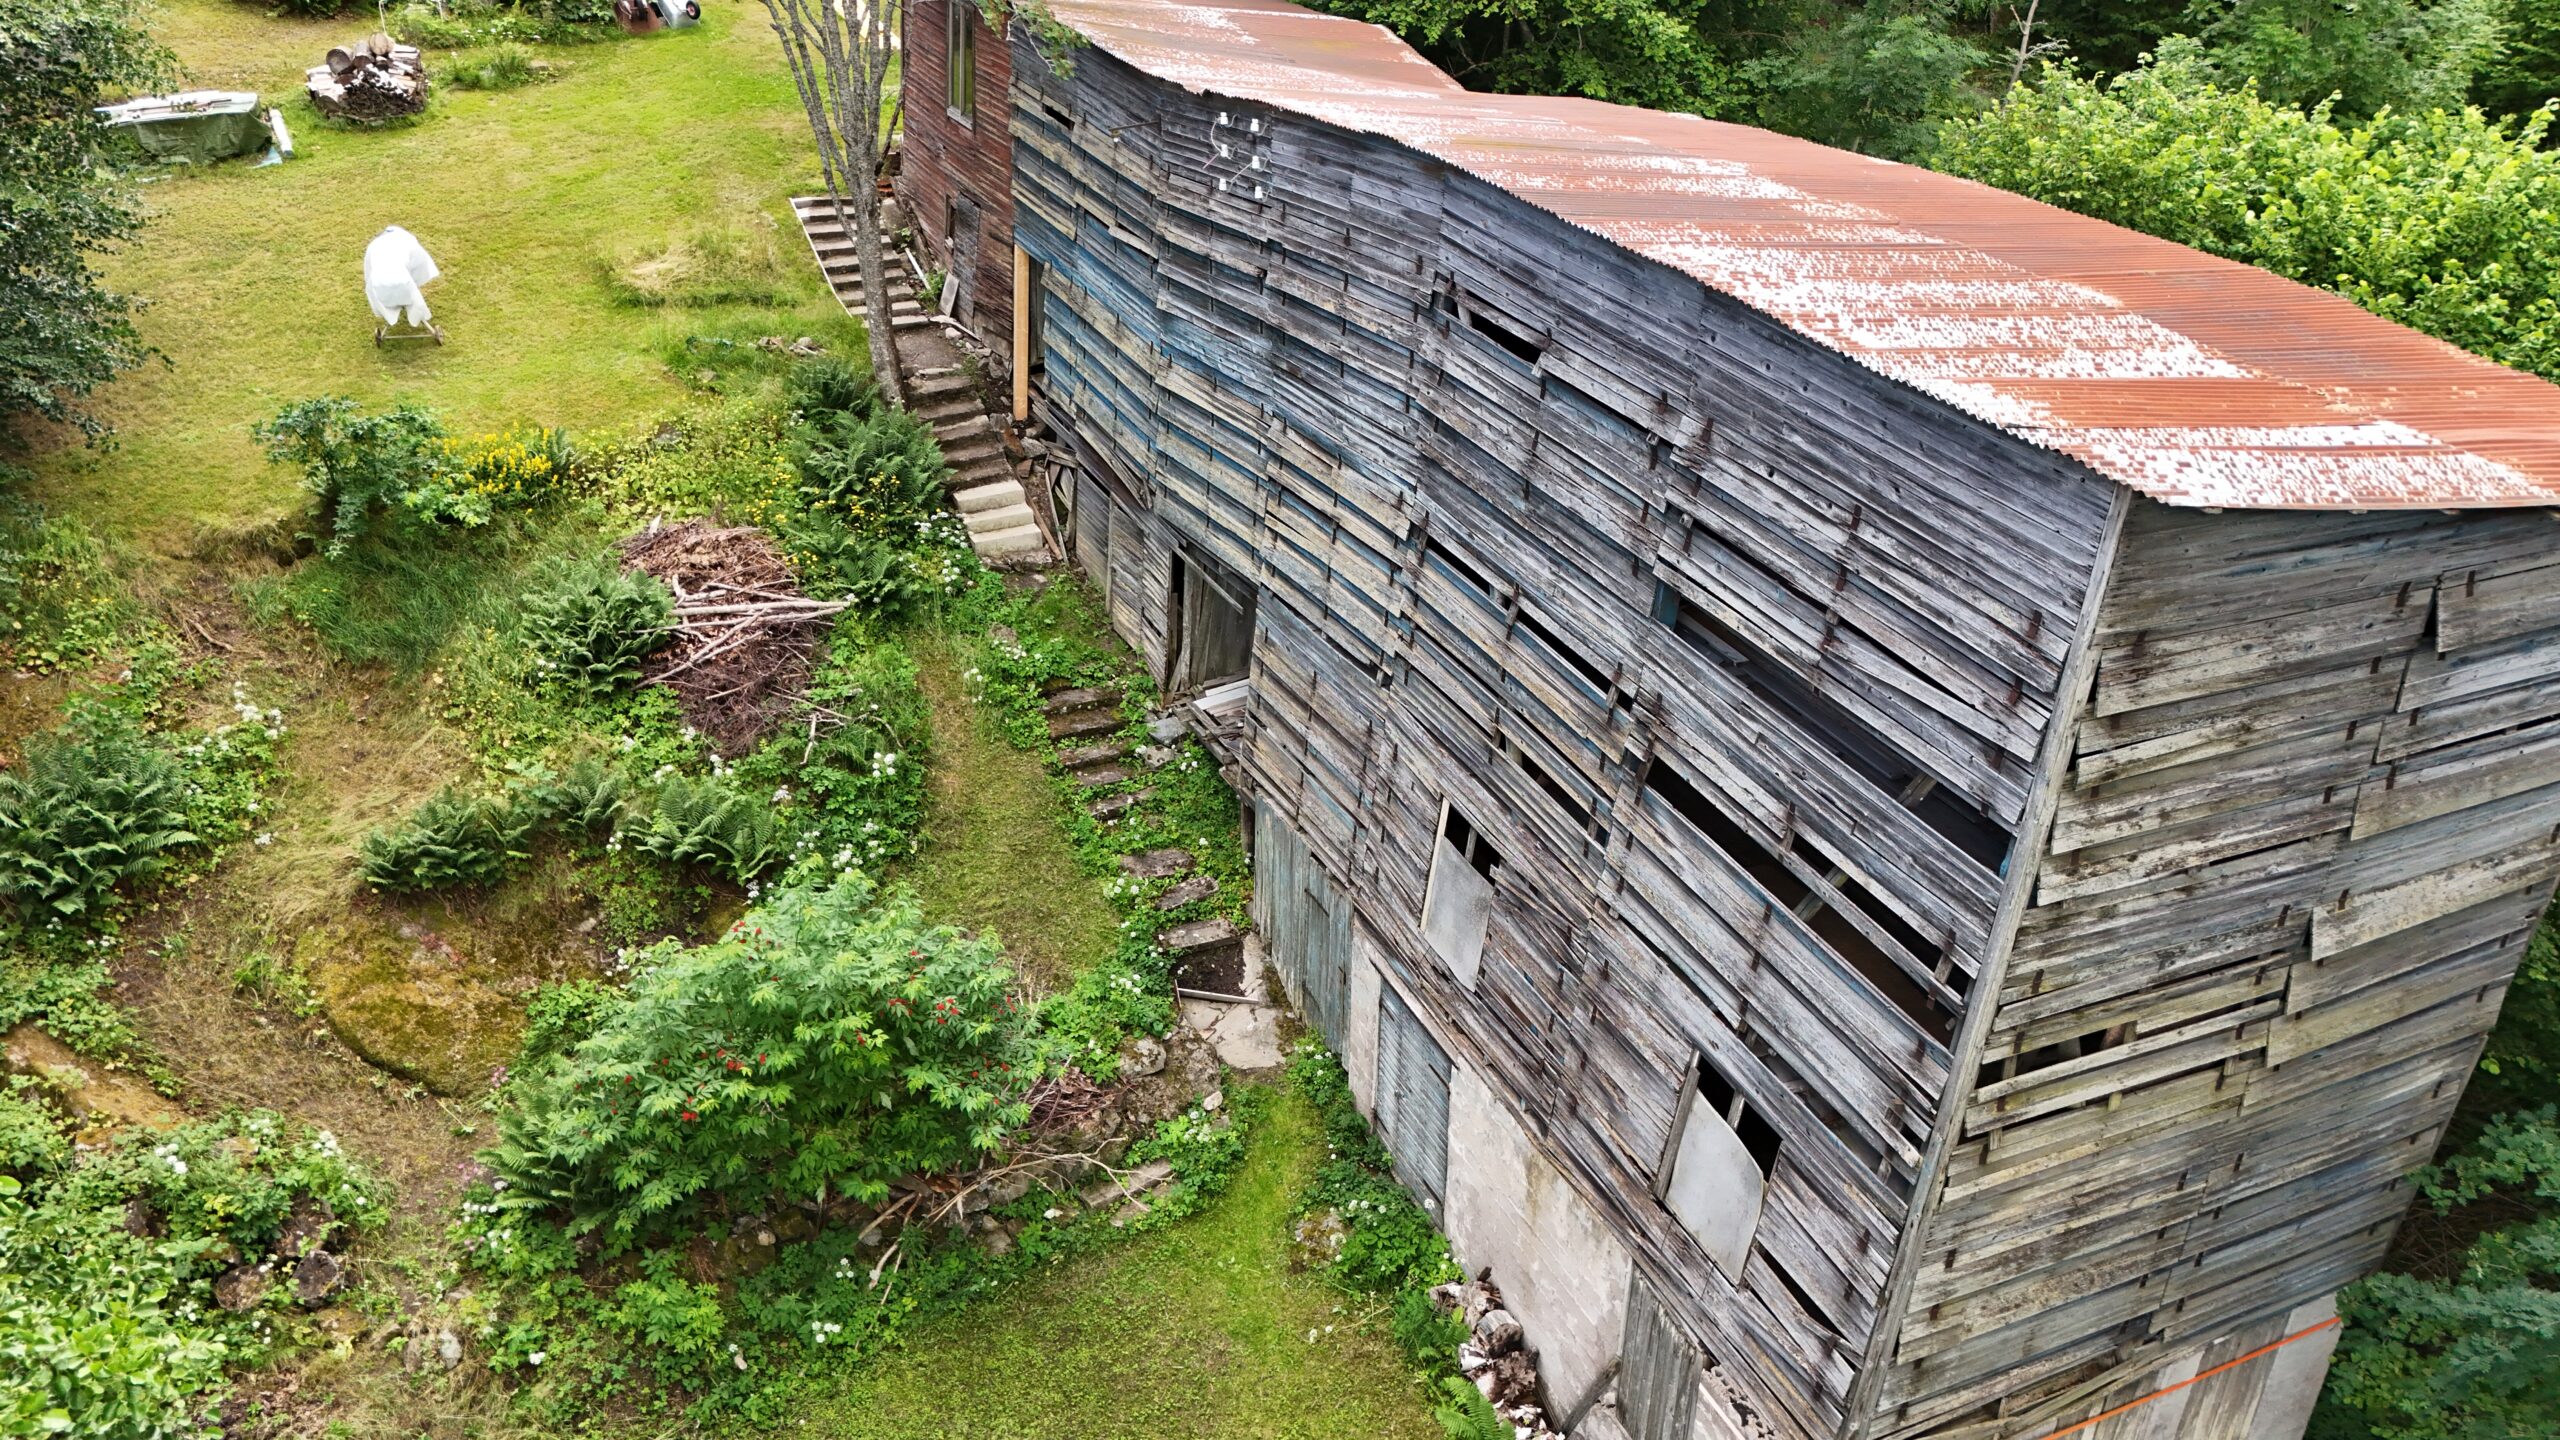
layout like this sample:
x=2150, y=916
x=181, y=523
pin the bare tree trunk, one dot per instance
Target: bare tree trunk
x=2026, y=39
x=839, y=52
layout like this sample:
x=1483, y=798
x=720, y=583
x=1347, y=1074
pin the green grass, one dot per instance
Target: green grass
x=254, y=274
x=996, y=856
x=1197, y=1330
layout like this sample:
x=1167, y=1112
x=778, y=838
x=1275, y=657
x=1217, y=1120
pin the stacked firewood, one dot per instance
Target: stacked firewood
x=370, y=82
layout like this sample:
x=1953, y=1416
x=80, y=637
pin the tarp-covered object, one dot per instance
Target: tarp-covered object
x=395, y=265
x=197, y=127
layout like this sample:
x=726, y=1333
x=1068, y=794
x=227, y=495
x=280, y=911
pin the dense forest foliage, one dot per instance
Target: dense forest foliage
x=1881, y=76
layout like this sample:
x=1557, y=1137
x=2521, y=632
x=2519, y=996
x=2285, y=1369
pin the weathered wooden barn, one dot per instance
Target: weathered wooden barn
x=1909, y=809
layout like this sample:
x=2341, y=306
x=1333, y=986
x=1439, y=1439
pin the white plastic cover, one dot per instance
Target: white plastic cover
x=395, y=265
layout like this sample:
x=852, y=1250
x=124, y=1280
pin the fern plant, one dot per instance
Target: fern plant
x=706, y=822
x=590, y=625
x=87, y=811
x=1468, y=1415
x=452, y=839
x=588, y=797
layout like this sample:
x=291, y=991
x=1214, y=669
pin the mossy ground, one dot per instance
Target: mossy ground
x=996, y=857
x=1200, y=1329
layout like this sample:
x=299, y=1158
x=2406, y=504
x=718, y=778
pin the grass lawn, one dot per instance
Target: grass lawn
x=254, y=275
x=996, y=855
x=1196, y=1330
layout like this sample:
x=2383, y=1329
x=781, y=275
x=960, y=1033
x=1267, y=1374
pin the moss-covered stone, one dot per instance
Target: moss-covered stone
x=433, y=989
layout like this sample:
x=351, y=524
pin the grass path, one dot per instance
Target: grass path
x=1198, y=1330
x=253, y=275
x=996, y=854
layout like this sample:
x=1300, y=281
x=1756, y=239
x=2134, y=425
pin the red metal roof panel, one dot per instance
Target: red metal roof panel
x=2196, y=380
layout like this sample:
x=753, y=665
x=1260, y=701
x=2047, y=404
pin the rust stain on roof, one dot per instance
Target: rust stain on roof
x=2195, y=380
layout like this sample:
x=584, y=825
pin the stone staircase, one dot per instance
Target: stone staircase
x=983, y=485
x=830, y=242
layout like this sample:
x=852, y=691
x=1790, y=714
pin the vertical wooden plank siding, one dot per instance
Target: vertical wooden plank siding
x=947, y=156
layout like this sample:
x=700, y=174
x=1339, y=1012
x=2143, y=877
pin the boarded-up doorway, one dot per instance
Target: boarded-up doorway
x=1209, y=624
x=1413, y=1098
x=960, y=242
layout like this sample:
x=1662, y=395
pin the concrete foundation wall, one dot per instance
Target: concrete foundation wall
x=1561, y=1269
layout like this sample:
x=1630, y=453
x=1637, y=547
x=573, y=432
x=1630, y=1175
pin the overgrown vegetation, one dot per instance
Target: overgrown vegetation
x=2437, y=220
x=1883, y=75
x=109, y=1323
x=63, y=332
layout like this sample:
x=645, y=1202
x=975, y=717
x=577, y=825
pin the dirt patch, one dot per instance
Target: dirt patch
x=737, y=677
x=1218, y=971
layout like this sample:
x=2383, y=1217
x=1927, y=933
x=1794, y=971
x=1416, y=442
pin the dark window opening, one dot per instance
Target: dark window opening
x=1519, y=347
x=1063, y=120
x=960, y=73
x=1469, y=842
x=1848, y=738
x=1590, y=673
x=1869, y=904
x=1460, y=568
x=2045, y=1057
x=1555, y=788
x=1836, y=931
x=1721, y=1096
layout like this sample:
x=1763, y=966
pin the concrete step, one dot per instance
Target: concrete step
x=1066, y=700
x=1158, y=864
x=1112, y=807
x=969, y=447
x=1200, y=935
x=1085, y=757
x=1022, y=540
x=1001, y=518
x=948, y=406
x=961, y=419
x=995, y=496
x=1099, y=720
x=980, y=470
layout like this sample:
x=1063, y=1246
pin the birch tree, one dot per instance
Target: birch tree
x=839, y=52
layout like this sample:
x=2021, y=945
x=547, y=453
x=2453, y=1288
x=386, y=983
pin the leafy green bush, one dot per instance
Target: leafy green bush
x=589, y=625
x=108, y=1327
x=505, y=66
x=33, y=1139
x=704, y=822
x=89, y=809
x=877, y=474
x=2472, y=1354
x=452, y=839
x=401, y=463
x=1466, y=1414
x=558, y=1016
x=830, y=1043
x=354, y=464
x=676, y=1323
x=2440, y=221
x=828, y=386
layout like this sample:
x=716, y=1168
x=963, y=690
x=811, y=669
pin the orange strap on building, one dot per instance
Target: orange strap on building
x=2190, y=1380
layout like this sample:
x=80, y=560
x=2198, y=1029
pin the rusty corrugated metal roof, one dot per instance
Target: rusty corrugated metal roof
x=2195, y=380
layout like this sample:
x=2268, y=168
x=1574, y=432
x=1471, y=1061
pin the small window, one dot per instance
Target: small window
x=1457, y=903
x=1514, y=344
x=1721, y=1153
x=961, y=75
